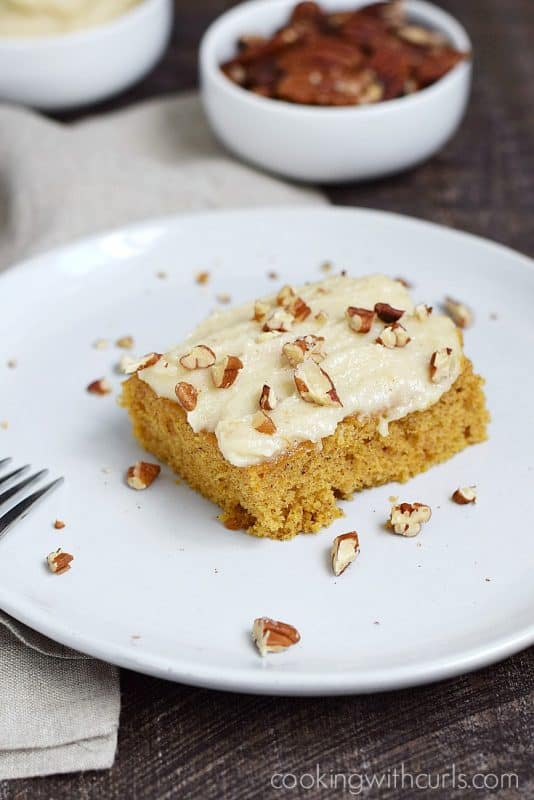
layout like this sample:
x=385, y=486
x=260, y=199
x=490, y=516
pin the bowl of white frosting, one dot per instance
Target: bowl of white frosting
x=57, y=54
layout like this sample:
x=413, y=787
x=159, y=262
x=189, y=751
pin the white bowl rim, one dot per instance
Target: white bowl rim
x=103, y=29
x=426, y=10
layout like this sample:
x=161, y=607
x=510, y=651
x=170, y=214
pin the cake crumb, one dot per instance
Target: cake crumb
x=202, y=277
x=223, y=297
x=59, y=524
x=4, y=424
x=272, y=275
x=461, y=315
x=101, y=344
x=393, y=498
x=326, y=266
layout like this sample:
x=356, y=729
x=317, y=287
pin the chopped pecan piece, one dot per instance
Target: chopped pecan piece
x=142, y=474
x=280, y=320
x=199, y=357
x=202, y=277
x=394, y=335
x=263, y=423
x=360, y=319
x=131, y=365
x=126, y=342
x=461, y=315
x=422, y=312
x=465, y=495
x=285, y=296
x=315, y=385
x=101, y=386
x=59, y=561
x=261, y=310
x=321, y=317
x=225, y=373
x=273, y=636
x=187, y=395
x=404, y=282
x=344, y=550
x=294, y=305
x=387, y=313
x=299, y=309
x=406, y=519
x=441, y=365
x=59, y=524
x=305, y=346
x=268, y=400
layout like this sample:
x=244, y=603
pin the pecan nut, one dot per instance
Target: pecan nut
x=360, y=319
x=344, y=550
x=273, y=636
x=199, y=357
x=315, y=385
x=142, y=474
x=406, y=519
x=225, y=373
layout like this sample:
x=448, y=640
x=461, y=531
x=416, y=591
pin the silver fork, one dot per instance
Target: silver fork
x=23, y=506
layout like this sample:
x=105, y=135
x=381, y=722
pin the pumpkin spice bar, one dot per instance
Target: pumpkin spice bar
x=278, y=408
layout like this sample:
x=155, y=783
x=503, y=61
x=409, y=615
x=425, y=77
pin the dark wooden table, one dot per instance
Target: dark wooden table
x=179, y=742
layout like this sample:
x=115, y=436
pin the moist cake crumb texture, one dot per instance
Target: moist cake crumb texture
x=347, y=400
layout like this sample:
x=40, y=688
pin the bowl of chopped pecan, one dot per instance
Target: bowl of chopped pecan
x=340, y=91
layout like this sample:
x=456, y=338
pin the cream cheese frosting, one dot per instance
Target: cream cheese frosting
x=370, y=379
x=52, y=17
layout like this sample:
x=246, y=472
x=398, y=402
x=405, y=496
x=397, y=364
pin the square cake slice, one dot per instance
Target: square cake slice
x=276, y=409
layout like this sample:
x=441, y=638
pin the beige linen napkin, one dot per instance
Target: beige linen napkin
x=58, y=709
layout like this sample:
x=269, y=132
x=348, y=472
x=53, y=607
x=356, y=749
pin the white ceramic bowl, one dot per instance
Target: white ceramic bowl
x=58, y=72
x=320, y=144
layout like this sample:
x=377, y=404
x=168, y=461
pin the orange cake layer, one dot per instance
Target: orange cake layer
x=297, y=491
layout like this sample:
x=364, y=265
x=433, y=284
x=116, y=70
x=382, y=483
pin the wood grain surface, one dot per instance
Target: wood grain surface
x=180, y=742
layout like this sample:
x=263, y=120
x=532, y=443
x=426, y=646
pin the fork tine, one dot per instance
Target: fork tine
x=11, y=475
x=21, y=509
x=5, y=496
x=4, y=461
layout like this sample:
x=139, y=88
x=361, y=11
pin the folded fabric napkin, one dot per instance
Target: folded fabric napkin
x=59, y=710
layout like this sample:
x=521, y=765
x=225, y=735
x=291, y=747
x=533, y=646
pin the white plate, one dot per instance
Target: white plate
x=157, y=565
